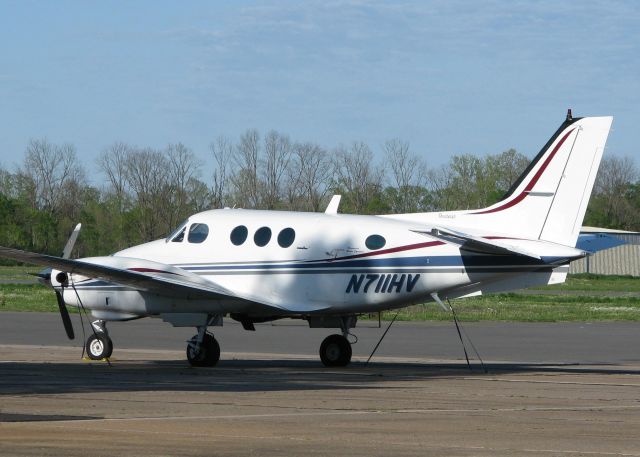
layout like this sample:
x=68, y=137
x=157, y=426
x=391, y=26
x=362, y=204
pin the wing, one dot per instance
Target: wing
x=147, y=276
x=146, y=279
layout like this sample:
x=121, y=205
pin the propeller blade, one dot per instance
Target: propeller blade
x=66, y=320
x=71, y=242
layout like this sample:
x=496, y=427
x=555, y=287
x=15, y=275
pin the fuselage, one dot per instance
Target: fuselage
x=308, y=262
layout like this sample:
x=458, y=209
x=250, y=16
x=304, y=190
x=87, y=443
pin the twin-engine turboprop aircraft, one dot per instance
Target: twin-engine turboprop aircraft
x=328, y=268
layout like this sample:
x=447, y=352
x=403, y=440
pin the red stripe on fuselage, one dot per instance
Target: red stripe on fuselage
x=151, y=270
x=533, y=181
x=407, y=247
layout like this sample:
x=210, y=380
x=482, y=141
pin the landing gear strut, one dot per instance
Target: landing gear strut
x=203, y=349
x=99, y=346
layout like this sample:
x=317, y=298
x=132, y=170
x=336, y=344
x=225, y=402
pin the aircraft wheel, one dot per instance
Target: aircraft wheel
x=335, y=351
x=99, y=346
x=207, y=355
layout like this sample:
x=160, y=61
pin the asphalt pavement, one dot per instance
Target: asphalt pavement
x=549, y=390
x=592, y=343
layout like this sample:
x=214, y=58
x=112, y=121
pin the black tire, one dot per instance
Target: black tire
x=335, y=351
x=207, y=356
x=99, y=346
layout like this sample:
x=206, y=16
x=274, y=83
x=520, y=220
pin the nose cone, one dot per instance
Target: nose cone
x=44, y=277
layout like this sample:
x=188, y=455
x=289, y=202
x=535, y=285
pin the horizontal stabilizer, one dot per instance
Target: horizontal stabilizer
x=477, y=244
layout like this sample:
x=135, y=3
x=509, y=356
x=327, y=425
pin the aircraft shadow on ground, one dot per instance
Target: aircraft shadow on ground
x=24, y=378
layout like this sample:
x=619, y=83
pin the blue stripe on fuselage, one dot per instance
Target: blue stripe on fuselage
x=417, y=264
x=473, y=264
x=418, y=261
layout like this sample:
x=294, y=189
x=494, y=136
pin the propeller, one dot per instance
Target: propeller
x=71, y=242
x=66, y=319
x=63, y=279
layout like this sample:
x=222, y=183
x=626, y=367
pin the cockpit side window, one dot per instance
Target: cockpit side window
x=198, y=233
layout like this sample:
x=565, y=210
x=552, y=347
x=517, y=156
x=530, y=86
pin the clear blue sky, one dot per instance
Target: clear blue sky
x=450, y=77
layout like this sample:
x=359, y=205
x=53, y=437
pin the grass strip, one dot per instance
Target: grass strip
x=18, y=273
x=499, y=307
x=591, y=282
x=528, y=308
x=27, y=297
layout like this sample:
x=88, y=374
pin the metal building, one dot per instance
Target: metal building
x=621, y=260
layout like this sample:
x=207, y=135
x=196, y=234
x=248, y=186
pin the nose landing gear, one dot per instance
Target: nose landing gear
x=99, y=346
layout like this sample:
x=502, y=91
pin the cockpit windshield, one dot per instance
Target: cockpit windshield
x=178, y=234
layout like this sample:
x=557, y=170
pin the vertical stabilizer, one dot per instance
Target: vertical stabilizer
x=564, y=220
x=549, y=199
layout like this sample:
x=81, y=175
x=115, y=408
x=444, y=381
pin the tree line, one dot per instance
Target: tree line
x=145, y=192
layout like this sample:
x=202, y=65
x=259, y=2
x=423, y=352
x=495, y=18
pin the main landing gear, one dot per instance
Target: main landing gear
x=335, y=350
x=99, y=346
x=203, y=349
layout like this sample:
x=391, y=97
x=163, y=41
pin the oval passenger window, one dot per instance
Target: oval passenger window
x=374, y=242
x=262, y=236
x=198, y=233
x=239, y=235
x=286, y=237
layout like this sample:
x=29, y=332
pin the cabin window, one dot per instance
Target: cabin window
x=262, y=236
x=239, y=235
x=198, y=233
x=374, y=242
x=286, y=237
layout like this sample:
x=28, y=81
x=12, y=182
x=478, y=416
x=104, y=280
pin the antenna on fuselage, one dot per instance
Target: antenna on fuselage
x=332, y=207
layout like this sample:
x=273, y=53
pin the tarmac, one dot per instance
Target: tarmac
x=262, y=401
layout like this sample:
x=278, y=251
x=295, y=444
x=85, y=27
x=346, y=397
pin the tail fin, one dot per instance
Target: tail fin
x=549, y=200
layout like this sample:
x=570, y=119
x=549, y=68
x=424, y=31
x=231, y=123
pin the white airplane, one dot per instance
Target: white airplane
x=329, y=268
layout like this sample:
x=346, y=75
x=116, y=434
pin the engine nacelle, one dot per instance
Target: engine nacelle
x=59, y=278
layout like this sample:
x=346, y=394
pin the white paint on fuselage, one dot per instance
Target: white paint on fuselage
x=311, y=275
x=249, y=270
